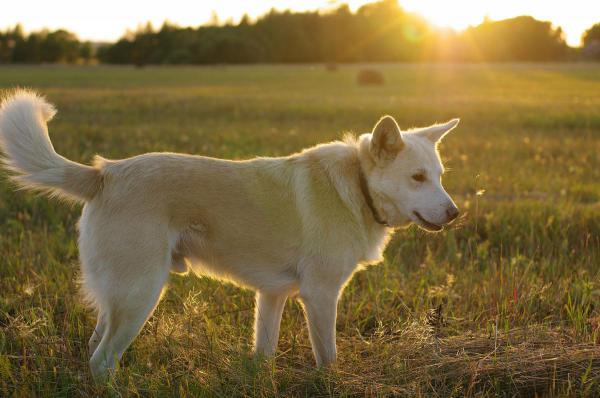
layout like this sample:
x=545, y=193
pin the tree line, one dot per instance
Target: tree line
x=59, y=46
x=376, y=32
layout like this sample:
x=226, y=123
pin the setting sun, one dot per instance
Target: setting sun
x=573, y=16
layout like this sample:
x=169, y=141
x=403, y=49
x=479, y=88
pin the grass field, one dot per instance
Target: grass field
x=517, y=279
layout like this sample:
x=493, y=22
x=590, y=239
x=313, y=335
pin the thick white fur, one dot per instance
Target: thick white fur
x=297, y=225
x=24, y=138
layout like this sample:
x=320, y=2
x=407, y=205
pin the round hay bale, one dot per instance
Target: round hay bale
x=370, y=77
x=331, y=67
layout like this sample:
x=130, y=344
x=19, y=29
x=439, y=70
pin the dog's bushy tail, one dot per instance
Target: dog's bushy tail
x=30, y=156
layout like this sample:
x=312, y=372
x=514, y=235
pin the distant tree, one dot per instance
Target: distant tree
x=42, y=46
x=214, y=19
x=28, y=50
x=591, y=42
x=86, y=52
x=517, y=39
x=591, y=35
x=118, y=53
x=8, y=41
x=245, y=21
x=59, y=46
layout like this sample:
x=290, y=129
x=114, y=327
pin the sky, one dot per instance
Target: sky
x=107, y=20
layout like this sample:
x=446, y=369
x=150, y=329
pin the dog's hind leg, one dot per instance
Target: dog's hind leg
x=269, y=308
x=126, y=316
x=125, y=269
x=97, y=333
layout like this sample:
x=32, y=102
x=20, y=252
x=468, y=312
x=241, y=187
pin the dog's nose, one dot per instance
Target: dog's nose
x=452, y=212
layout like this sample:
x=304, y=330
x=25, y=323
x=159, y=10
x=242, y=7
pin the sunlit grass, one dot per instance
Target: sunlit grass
x=517, y=279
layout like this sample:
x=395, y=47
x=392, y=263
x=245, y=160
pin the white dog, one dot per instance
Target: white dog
x=296, y=225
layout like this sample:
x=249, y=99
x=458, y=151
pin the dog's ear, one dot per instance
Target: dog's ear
x=436, y=132
x=386, y=140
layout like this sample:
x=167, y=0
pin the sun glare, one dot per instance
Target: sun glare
x=574, y=16
x=445, y=13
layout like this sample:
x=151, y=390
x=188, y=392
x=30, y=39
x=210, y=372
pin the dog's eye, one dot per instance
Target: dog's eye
x=420, y=177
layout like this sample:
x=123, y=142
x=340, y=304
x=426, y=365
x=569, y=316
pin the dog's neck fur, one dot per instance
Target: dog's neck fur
x=366, y=164
x=364, y=187
x=354, y=191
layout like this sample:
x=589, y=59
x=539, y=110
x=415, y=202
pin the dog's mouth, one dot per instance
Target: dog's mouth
x=426, y=225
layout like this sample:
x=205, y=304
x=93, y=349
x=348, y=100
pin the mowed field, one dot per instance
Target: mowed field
x=514, y=285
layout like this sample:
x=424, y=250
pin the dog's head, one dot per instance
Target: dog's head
x=404, y=175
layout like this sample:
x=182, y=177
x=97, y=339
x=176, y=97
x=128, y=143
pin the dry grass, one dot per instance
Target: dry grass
x=524, y=361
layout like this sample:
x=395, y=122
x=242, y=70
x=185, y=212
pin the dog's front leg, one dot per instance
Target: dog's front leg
x=267, y=319
x=320, y=307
